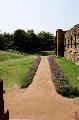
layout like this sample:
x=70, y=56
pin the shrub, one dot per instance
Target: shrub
x=30, y=75
x=61, y=82
x=69, y=91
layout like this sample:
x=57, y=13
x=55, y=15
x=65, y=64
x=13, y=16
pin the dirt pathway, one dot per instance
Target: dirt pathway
x=40, y=100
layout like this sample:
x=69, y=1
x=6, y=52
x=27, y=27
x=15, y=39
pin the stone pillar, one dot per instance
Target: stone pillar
x=60, y=42
x=1, y=100
x=3, y=115
x=6, y=116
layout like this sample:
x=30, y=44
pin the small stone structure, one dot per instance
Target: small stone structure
x=3, y=115
x=67, y=44
x=60, y=42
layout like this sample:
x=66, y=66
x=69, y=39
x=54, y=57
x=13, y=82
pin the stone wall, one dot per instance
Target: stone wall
x=71, y=44
x=67, y=42
x=3, y=115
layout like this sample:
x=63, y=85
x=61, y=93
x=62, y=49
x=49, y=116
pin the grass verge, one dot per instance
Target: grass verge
x=61, y=80
x=70, y=69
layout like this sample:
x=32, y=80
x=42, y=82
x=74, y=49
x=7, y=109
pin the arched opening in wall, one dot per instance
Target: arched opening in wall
x=75, y=41
x=71, y=42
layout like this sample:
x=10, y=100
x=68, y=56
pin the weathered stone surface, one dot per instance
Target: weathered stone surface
x=70, y=38
x=77, y=59
x=72, y=42
x=59, y=42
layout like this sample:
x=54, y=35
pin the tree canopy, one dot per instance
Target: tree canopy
x=27, y=41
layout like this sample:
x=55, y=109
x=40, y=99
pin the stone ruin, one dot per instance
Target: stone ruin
x=3, y=115
x=67, y=44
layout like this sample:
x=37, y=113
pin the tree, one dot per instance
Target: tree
x=27, y=41
x=2, y=45
x=32, y=40
x=20, y=39
x=46, y=40
x=7, y=40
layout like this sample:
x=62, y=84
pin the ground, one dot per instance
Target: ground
x=40, y=101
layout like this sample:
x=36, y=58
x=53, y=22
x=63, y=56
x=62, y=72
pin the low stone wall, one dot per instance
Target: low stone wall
x=3, y=115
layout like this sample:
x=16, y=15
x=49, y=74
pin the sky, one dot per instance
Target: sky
x=40, y=15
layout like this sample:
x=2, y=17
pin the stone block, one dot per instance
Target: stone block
x=77, y=59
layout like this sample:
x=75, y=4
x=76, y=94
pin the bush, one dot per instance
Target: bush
x=69, y=92
x=31, y=73
x=61, y=82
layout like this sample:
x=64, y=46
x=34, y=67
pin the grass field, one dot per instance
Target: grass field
x=13, y=68
x=5, y=56
x=70, y=70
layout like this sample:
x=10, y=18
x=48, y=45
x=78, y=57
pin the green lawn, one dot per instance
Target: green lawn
x=13, y=68
x=5, y=56
x=70, y=70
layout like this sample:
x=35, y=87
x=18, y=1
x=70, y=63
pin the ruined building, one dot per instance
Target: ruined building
x=3, y=115
x=67, y=44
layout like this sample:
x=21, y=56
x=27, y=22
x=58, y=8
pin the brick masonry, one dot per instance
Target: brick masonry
x=67, y=44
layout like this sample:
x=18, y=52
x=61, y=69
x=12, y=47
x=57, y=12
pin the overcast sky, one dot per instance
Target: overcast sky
x=40, y=15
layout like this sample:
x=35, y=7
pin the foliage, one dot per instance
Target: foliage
x=27, y=41
x=46, y=40
x=2, y=45
x=6, y=41
x=20, y=40
x=30, y=75
x=33, y=41
x=69, y=91
x=61, y=81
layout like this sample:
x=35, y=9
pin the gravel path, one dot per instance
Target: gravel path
x=40, y=100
